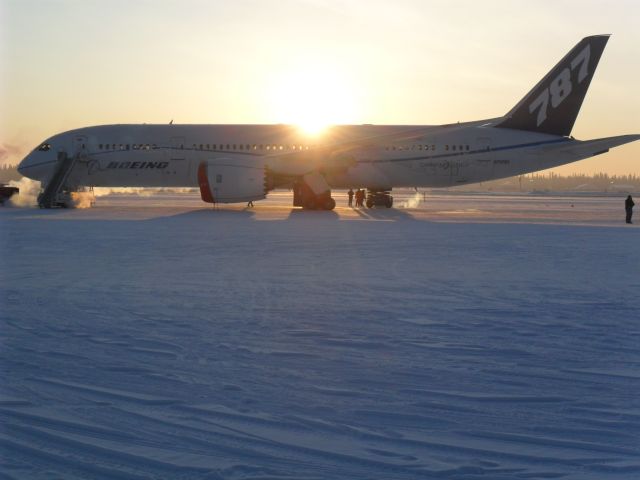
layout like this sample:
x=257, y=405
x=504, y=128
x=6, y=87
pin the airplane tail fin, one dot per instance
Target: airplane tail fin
x=552, y=106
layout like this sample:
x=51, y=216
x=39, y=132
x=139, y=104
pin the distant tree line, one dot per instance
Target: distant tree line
x=552, y=182
x=8, y=173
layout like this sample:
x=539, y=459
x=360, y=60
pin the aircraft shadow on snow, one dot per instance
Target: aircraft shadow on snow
x=295, y=214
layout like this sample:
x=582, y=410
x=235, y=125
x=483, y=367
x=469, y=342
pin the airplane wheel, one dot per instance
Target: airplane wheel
x=311, y=204
x=330, y=204
x=369, y=202
x=389, y=202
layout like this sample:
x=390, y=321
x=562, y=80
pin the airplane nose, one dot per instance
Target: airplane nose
x=24, y=165
x=29, y=168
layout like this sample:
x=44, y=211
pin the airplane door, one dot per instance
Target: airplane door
x=79, y=145
x=177, y=159
x=176, y=148
x=483, y=165
x=484, y=144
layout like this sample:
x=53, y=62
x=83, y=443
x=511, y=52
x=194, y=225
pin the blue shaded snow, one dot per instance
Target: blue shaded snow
x=212, y=345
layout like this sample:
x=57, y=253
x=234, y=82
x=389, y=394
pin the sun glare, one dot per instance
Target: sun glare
x=313, y=98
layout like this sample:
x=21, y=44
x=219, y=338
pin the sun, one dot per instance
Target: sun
x=313, y=98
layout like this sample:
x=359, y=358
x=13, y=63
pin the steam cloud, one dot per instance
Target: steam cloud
x=28, y=195
x=82, y=199
x=412, y=202
x=29, y=190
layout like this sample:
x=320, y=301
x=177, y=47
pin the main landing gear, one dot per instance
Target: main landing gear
x=305, y=197
x=379, y=198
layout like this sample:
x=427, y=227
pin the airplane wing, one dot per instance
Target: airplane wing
x=339, y=155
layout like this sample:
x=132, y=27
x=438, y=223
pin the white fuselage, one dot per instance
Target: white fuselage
x=232, y=163
x=169, y=155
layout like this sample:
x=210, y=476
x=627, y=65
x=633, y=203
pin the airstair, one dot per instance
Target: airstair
x=53, y=195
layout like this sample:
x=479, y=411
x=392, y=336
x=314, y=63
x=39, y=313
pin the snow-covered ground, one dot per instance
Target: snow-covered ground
x=492, y=337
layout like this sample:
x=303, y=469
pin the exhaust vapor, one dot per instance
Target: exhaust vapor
x=413, y=201
x=28, y=195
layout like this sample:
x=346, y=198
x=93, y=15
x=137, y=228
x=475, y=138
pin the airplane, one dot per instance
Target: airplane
x=242, y=163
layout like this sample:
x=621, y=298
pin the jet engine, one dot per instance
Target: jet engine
x=231, y=181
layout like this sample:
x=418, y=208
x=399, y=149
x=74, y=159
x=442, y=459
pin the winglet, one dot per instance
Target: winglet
x=552, y=106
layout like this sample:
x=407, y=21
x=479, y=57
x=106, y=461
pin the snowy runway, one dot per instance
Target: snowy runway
x=469, y=337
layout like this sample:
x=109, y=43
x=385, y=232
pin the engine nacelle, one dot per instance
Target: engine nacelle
x=226, y=180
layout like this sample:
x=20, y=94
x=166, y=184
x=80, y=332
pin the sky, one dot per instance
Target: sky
x=66, y=64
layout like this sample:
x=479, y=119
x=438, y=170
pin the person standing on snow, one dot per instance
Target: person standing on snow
x=628, y=206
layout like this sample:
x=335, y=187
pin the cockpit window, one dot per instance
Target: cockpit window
x=45, y=147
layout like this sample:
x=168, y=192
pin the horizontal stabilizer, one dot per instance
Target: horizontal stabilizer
x=577, y=150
